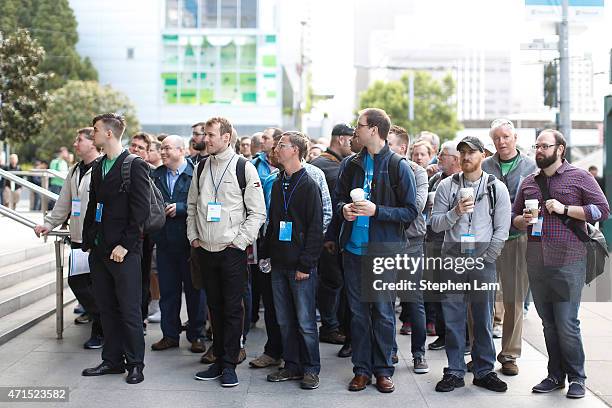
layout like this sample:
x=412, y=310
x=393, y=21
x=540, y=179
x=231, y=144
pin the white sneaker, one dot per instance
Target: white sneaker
x=497, y=332
x=155, y=317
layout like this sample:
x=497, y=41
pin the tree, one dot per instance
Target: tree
x=73, y=107
x=53, y=24
x=22, y=99
x=433, y=106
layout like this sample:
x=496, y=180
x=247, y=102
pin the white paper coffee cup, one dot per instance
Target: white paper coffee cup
x=357, y=194
x=533, y=207
x=467, y=192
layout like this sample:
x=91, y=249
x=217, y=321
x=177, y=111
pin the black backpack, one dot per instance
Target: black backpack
x=157, y=215
x=240, y=173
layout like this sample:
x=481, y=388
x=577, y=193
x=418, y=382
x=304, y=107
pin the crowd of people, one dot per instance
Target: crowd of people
x=280, y=219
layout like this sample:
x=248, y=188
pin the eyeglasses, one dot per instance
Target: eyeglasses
x=198, y=134
x=138, y=147
x=442, y=155
x=537, y=147
x=283, y=145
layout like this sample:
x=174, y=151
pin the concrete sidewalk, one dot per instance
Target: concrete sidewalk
x=37, y=358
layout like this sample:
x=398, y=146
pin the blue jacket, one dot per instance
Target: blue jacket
x=395, y=210
x=174, y=234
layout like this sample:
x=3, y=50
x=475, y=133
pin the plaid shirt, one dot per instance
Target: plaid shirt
x=570, y=185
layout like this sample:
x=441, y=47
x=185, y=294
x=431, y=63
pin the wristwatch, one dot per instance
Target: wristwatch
x=565, y=210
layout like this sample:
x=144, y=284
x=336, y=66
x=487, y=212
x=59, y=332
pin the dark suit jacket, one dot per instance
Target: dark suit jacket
x=174, y=233
x=123, y=214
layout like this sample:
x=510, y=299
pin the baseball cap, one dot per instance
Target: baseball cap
x=472, y=142
x=342, y=129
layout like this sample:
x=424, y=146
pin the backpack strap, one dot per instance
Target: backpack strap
x=492, y=194
x=200, y=168
x=241, y=173
x=393, y=169
x=126, y=171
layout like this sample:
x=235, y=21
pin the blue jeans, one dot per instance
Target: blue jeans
x=556, y=293
x=372, y=325
x=174, y=276
x=454, y=306
x=295, y=304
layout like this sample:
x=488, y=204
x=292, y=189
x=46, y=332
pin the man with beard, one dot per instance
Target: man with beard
x=556, y=258
x=198, y=143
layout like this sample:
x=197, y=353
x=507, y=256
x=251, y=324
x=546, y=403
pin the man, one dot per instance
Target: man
x=153, y=312
x=60, y=163
x=245, y=147
x=510, y=166
x=413, y=310
x=72, y=202
x=112, y=234
x=12, y=196
x=154, y=158
x=476, y=226
x=422, y=153
x=556, y=258
x=198, y=144
x=378, y=218
x=261, y=160
x=448, y=164
x=293, y=241
x=594, y=172
x=256, y=143
x=222, y=221
x=173, y=179
x=434, y=140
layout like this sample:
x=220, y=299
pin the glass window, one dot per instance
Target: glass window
x=208, y=55
x=209, y=13
x=229, y=56
x=229, y=88
x=248, y=52
x=248, y=13
x=190, y=13
x=229, y=14
x=171, y=13
x=188, y=88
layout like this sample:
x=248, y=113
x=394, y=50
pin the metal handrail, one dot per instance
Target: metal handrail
x=60, y=236
x=29, y=185
x=39, y=173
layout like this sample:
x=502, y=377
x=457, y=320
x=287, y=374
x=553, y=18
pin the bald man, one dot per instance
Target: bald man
x=173, y=179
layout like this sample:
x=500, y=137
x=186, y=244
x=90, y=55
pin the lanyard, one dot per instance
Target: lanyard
x=285, y=201
x=475, y=199
x=216, y=187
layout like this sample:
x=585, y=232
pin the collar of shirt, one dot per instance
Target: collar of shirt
x=178, y=171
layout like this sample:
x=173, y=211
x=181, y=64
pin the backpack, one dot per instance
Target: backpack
x=157, y=214
x=491, y=194
x=240, y=173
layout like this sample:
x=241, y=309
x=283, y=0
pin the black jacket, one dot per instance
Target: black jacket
x=306, y=213
x=123, y=214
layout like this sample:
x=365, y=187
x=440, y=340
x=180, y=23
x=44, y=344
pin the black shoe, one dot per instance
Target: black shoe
x=437, y=344
x=394, y=359
x=135, y=375
x=491, y=382
x=575, y=390
x=95, y=342
x=102, y=369
x=449, y=382
x=332, y=337
x=547, y=385
x=345, y=351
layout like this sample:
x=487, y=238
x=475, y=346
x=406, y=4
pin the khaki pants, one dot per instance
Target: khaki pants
x=512, y=275
x=7, y=195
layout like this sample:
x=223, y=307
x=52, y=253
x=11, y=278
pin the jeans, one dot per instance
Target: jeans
x=372, y=325
x=454, y=306
x=556, y=293
x=175, y=277
x=296, y=313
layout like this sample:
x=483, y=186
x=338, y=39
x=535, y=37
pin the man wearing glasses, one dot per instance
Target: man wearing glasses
x=197, y=142
x=510, y=166
x=556, y=258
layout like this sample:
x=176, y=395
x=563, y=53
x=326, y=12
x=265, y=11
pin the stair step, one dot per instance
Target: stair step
x=22, y=271
x=21, y=320
x=25, y=293
x=13, y=257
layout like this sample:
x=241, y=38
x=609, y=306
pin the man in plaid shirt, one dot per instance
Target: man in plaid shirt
x=556, y=258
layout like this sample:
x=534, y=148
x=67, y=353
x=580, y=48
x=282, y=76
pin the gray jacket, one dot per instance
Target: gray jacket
x=417, y=228
x=523, y=168
x=490, y=232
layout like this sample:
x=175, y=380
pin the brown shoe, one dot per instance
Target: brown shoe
x=164, y=343
x=208, y=357
x=509, y=368
x=359, y=383
x=385, y=384
x=242, y=355
x=264, y=361
x=198, y=346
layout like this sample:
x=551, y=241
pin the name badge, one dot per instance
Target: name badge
x=214, y=212
x=284, y=234
x=76, y=208
x=536, y=230
x=99, y=208
x=468, y=244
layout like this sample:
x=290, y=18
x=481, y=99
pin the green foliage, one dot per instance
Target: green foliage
x=73, y=107
x=23, y=100
x=434, y=109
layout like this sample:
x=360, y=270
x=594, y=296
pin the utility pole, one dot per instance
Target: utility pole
x=411, y=96
x=299, y=111
x=565, y=122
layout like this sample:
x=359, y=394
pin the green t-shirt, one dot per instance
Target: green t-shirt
x=506, y=167
x=107, y=164
x=61, y=166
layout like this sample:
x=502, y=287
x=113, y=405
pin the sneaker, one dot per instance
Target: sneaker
x=310, y=381
x=394, y=358
x=431, y=329
x=509, y=368
x=79, y=309
x=491, y=382
x=155, y=317
x=208, y=357
x=497, y=331
x=241, y=355
x=406, y=329
x=449, y=382
x=467, y=350
x=229, y=378
x=420, y=365
x=214, y=371
x=95, y=342
x=547, y=385
x=83, y=319
x=153, y=307
x=333, y=337
x=283, y=375
x=264, y=361
x=437, y=344
x=575, y=390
